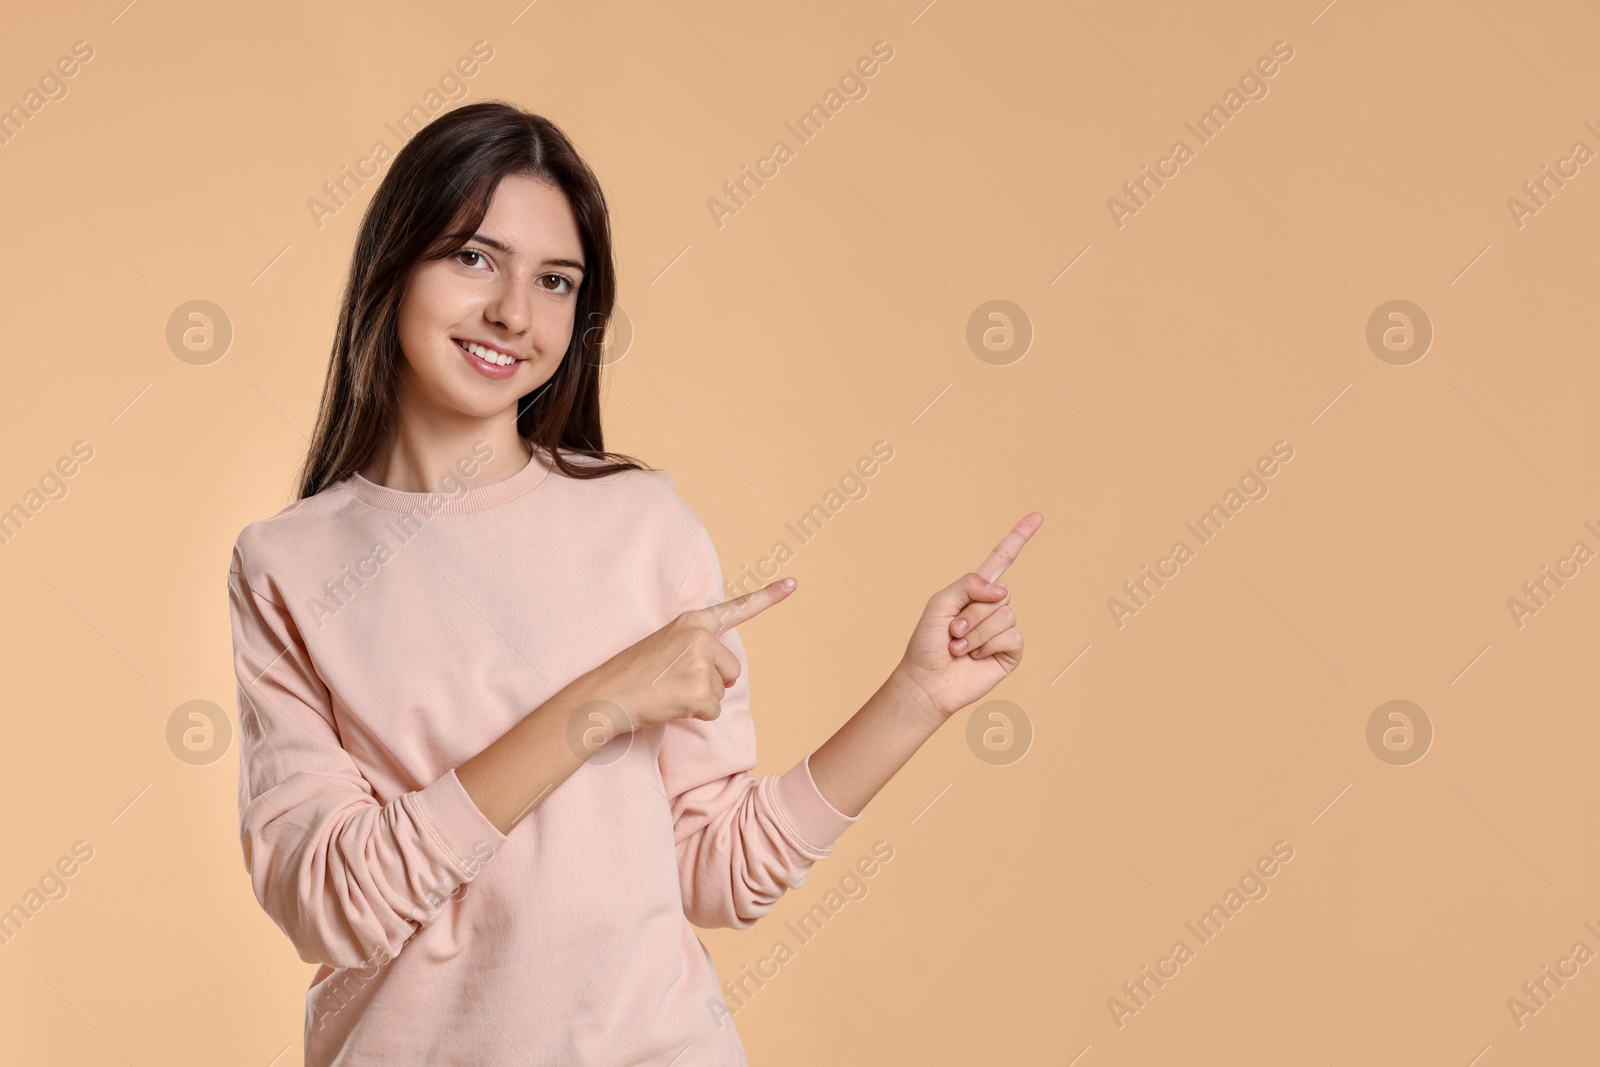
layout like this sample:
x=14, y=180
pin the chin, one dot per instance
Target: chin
x=483, y=402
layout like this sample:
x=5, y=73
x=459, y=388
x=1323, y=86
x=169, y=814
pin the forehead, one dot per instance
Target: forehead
x=534, y=217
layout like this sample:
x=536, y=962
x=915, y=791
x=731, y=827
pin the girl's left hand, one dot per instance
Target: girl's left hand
x=967, y=639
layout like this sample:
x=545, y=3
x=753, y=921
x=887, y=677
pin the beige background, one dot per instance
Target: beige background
x=831, y=312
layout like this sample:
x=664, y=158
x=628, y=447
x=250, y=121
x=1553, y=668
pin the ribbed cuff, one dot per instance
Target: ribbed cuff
x=456, y=822
x=805, y=812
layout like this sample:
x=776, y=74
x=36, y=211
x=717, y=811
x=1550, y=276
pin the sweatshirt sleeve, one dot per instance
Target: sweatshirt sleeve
x=347, y=878
x=742, y=841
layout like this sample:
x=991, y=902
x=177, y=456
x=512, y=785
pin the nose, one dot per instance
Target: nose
x=511, y=305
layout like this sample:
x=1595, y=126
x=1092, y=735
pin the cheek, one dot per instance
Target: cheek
x=420, y=327
x=556, y=329
x=423, y=348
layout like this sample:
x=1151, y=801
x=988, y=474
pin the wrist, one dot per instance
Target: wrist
x=913, y=701
x=592, y=717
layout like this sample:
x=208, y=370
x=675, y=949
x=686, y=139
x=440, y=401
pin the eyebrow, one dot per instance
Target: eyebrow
x=508, y=250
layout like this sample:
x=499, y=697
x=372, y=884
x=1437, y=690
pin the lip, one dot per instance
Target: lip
x=484, y=367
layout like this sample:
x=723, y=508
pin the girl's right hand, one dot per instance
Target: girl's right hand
x=680, y=671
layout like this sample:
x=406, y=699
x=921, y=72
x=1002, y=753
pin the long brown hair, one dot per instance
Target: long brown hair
x=457, y=161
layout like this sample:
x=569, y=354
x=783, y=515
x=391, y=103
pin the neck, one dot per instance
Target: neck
x=477, y=454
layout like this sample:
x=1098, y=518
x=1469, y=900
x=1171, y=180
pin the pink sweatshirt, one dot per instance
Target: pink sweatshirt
x=381, y=639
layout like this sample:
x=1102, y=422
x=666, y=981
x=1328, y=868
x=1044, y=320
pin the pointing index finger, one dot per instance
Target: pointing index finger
x=1005, y=553
x=730, y=613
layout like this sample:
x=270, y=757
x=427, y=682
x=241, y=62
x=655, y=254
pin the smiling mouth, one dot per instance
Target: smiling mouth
x=488, y=355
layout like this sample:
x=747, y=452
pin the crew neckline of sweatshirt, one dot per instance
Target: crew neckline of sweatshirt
x=475, y=498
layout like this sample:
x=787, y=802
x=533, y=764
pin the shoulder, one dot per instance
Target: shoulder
x=650, y=496
x=680, y=523
x=663, y=524
x=289, y=532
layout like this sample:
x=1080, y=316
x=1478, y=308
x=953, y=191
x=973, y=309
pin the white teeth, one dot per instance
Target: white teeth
x=488, y=355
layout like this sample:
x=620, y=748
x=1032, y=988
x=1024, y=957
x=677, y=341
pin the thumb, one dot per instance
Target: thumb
x=970, y=587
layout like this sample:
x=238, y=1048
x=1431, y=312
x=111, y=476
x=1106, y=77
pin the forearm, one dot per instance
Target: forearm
x=858, y=760
x=517, y=772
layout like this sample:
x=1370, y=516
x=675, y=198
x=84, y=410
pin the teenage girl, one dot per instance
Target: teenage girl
x=494, y=710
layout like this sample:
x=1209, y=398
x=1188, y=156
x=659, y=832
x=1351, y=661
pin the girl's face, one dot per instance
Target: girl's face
x=513, y=288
